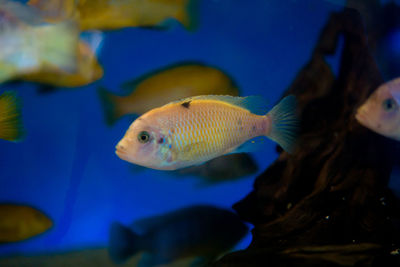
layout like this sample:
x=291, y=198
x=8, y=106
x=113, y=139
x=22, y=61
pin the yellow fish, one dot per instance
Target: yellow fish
x=165, y=85
x=18, y=222
x=88, y=71
x=10, y=117
x=194, y=130
x=28, y=44
x=116, y=14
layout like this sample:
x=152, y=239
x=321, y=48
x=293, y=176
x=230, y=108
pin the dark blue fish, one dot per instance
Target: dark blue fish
x=199, y=231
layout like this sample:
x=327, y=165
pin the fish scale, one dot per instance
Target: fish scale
x=209, y=128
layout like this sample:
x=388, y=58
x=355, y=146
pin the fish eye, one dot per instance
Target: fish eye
x=144, y=137
x=389, y=104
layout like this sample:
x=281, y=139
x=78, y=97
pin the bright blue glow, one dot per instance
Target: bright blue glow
x=66, y=166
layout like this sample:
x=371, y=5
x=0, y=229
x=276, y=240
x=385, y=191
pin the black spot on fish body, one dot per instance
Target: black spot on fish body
x=186, y=104
x=161, y=140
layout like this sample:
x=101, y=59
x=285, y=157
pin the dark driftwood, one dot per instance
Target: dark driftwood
x=328, y=204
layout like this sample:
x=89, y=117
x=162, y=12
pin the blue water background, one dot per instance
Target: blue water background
x=66, y=165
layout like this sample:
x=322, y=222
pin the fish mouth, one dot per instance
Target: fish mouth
x=361, y=117
x=120, y=151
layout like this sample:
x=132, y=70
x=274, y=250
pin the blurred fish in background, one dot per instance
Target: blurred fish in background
x=203, y=232
x=381, y=111
x=11, y=128
x=20, y=222
x=164, y=85
x=222, y=169
x=116, y=14
x=88, y=67
x=28, y=44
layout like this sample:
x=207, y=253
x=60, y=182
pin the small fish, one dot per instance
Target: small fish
x=222, y=169
x=28, y=44
x=194, y=130
x=19, y=222
x=116, y=14
x=10, y=117
x=164, y=85
x=381, y=112
x=88, y=69
x=197, y=231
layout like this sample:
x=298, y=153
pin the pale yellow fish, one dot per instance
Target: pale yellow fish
x=10, y=117
x=27, y=43
x=20, y=222
x=194, y=130
x=164, y=85
x=116, y=14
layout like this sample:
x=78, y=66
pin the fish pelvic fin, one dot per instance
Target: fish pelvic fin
x=123, y=243
x=284, y=123
x=10, y=117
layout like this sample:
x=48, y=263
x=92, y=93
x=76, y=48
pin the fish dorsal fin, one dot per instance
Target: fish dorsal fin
x=254, y=104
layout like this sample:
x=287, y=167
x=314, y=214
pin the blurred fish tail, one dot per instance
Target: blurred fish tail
x=284, y=123
x=10, y=117
x=94, y=39
x=58, y=44
x=190, y=18
x=123, y=243
x=109, y=106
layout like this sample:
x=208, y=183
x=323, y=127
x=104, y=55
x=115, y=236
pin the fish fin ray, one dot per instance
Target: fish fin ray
x=254, y=104
x=284, y=123
x=11, y=128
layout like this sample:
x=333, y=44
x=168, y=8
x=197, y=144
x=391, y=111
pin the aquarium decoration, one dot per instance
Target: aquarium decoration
x=329, y=203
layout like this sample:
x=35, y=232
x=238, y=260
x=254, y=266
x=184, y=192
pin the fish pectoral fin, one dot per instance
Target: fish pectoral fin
x=249, y=146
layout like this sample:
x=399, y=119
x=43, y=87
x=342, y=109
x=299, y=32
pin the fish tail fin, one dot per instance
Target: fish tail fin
x=123, y=243
x=58, y=44
x=90, y=46
x=109, y=105
x=284, y=123
x=10, y=117
x=94, y=39
x=190, y=16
